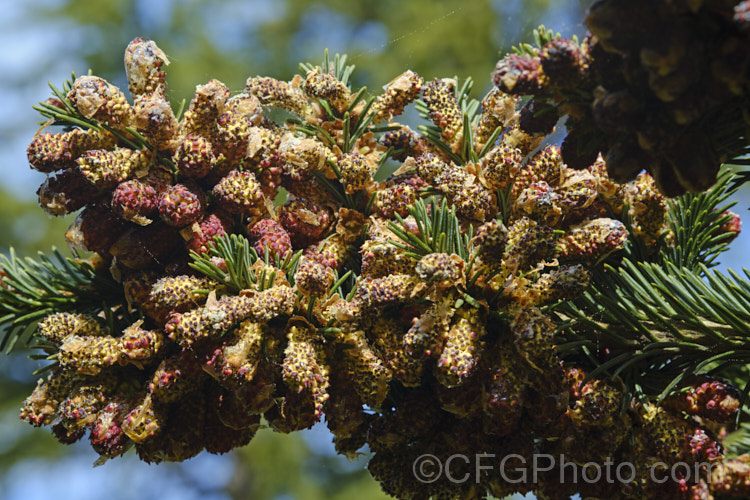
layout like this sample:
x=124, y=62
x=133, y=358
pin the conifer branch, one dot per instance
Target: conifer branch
x=660, y=322
x=31, y=289
x=470, y=114
x=654, y=318
x=696, y=222
x=235, y=253
x=542, y=36
x=438, y=231
x=65, y=114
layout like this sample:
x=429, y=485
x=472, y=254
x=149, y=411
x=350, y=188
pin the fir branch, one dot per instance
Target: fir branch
x=69, y=116
x=355, y=122
x=438, y=231
x=238, y=256
x=342, y=285
x=542, y=36
x=658, y=322
x=462, y=94
x=337, y=189
x=695, y=221
x=737, y=443
x=31, y=289
x=653, y=318
x=470, y=114
x=362, y=123
x=741, y=178
x=504, y=203
x=490, y=142
x=180, y=110
x=339, y=69
x=433, y=134
x=360, y=200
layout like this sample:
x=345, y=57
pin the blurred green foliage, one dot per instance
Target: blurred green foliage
x=231, y=41
x=234, y=39
x=25, y=227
